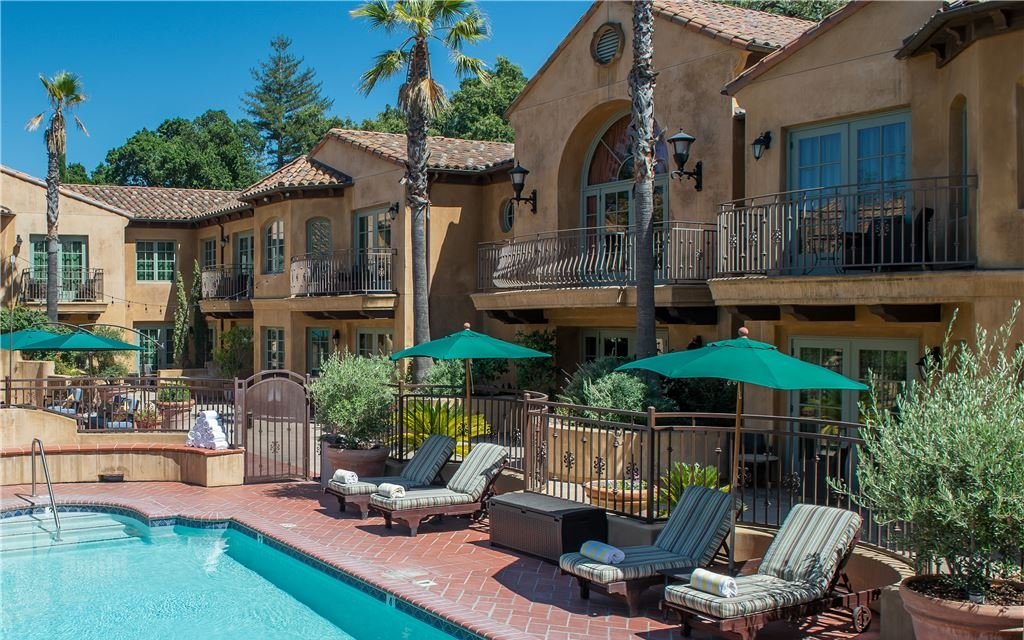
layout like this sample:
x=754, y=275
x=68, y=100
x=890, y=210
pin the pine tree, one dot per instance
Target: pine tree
x=287, y=104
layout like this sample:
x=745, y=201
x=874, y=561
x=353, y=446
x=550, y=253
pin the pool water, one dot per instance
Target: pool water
x=111, y=577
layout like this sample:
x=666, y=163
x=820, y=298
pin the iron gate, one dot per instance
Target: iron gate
x=272, y=411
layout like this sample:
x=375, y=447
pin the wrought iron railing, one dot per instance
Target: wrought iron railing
x=343, y=272
x=76, y=285
x=887, y=226
x=684, y=252
x=227, y=283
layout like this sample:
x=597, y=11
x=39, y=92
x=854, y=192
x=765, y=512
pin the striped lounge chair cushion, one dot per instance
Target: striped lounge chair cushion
x=478, y=469
x=698, y=524
x=368, y=485
x=428, y=460
x=422, y=498
x=640, y=562
x=757, y=593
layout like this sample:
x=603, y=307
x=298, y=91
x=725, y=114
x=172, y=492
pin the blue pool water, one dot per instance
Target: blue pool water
x=113, y=578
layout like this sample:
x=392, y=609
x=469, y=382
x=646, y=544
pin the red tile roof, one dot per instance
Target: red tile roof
x=736, y=25
x=158, y=203
x=445, y=154
x=300, y=172
x=64, y=191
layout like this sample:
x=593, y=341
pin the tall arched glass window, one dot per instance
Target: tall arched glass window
x=273, y=247
x=318, y=235
x=608, y=178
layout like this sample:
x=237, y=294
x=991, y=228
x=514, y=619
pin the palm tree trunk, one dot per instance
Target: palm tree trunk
x=52, y=239
x=417, y=193
x=641, y=89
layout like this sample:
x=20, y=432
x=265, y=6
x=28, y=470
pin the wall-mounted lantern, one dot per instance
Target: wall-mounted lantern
x=681, y=152
x=393, y=211
x=336, y=340
x=761, y=144
x=518, y=175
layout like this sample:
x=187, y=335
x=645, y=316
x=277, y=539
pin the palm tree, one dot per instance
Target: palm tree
x=453, y=24
x=641, y=89
x=64, y=91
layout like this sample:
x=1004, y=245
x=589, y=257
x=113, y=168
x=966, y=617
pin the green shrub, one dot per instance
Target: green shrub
x=682, y=475
x=173, y=392
x=353, y=399
x=572, y=390
x=597, y=384
x=537, y=374
x=452, y=373
x=424, y=418
x=949, y=460
x=234, y=355
x=20, y=318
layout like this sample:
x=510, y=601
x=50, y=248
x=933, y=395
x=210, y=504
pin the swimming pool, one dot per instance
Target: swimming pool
x=114, y=577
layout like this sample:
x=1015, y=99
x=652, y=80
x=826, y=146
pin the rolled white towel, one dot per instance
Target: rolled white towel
x=714, y=583
x=602, y=552
x=345, y=477
x=210, y=415
x=391, y=490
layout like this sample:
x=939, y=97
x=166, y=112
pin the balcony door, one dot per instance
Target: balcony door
x=72, y=266
x=372, y=262
x=245, y=252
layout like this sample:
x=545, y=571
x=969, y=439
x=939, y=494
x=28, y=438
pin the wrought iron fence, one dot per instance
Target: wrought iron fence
x=882, y=226
x=227, y=283
x=76, y=285
x=342, y=272
x=684, y=252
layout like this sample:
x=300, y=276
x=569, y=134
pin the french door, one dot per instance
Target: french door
x=245, y=252
x=72, y=264
x=609, y=215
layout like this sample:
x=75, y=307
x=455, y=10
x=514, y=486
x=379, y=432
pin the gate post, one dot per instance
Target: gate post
x=528, y=453
x=307, y=434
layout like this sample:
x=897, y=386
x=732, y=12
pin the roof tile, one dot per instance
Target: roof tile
x=446, y=154
x=158, y=203
x=732, y=23
x=300, y=172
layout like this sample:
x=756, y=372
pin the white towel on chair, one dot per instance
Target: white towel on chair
x=714, y=583
x=391, y=490
x=345, y=477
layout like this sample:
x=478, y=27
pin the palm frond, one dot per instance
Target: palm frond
x=426, y=95
x=467, y=66
x=448, y=11
x=379, y=13
x=81, y=126
x=34, y=121
x=472, y=28
x=386, y=65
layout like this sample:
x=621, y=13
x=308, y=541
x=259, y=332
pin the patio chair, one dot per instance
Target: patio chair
x=798, y=577
x=466, y=493
x=419, y=472
x=691, y=537
x=70, y=405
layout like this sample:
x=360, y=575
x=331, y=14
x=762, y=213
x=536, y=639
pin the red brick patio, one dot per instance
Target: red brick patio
x=494, y=592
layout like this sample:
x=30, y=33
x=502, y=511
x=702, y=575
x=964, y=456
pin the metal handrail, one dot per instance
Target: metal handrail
x=46, y=474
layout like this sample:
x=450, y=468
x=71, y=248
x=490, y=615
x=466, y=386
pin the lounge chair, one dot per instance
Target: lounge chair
x=419, y=472
x=798, y=577
x=466, y=493
x=71, y=404
x=691, y=537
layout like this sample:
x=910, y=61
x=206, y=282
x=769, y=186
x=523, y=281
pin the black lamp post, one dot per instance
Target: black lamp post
x=681, y=152
x=518, y=175
x=760, y=144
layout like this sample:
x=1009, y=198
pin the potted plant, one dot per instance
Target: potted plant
x=947, y=465
x=353, y=400
x=147, y=418
x=628, y=495
x=174, y=402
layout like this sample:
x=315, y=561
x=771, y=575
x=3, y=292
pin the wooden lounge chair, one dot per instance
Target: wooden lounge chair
x=419, y=472
x=798, y=577
x=466, y=493
x=691, y=537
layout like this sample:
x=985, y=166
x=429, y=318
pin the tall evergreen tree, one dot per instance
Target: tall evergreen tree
x=287, y=104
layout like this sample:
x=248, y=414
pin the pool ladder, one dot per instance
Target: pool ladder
x=49, y=485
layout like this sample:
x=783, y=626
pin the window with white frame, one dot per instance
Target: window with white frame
x=273, y=247
x=157, y=348
x=372, y=342
x=617, y=343
x=209, y=253
x=154, y=261
x=273, y=348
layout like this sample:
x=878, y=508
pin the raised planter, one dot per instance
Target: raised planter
x=363, y=462
x=613, y=495
x=175, y=416
x=938, y=619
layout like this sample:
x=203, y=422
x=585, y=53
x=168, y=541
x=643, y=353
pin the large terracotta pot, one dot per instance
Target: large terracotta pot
x=937, y=619
x=609, y=494
x=175, y=416
x=363, y=462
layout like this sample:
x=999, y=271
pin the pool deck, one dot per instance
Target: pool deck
x=494, y=592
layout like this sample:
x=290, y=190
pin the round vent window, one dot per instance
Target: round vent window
x=507, y=215
x=606, y=46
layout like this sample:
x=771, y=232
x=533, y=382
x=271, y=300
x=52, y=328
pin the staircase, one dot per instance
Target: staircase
x=38, y=532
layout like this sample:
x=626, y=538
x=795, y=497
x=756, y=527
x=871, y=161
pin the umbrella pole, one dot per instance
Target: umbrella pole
x=465, y=407
x=735, y=476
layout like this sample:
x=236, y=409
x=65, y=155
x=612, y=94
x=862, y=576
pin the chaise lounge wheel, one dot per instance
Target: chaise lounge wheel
x=861, y=618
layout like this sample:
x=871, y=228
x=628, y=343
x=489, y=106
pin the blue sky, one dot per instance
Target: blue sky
x=144, y=62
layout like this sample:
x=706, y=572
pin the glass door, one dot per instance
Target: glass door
x=245, y=252
x=373, y=240
x=818, y=166
x=72, y=267
x=615, y=257
x=318, y=349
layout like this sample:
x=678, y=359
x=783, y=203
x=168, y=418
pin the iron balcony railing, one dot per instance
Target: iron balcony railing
x=855, y=228
x=596, y=256
x=76, y=285
x=343, y=272
x=227, y=283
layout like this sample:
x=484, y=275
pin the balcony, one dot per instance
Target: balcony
x=227, y=283
x=76, y=285
x=903, y=225
x=344, y=272
x=596, y=257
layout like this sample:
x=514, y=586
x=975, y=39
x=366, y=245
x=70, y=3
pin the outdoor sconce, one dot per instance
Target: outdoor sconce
x=18, y=242
x=336, y=339
x=393, y=211
x=932, y=358
x=681, y=152
x=518, y=175
x=760, y=144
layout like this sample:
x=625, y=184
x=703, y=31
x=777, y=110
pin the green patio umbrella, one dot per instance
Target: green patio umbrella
x=469, y=345
x=743, y=360
x=82, y=341
x=24, y=339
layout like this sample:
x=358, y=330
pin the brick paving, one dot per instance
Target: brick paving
x=495, y=592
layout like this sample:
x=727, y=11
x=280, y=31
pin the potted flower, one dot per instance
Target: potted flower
x=947, y=465
x=147, y=418
x=174, y=402
x=628, y=495
x=352, y=400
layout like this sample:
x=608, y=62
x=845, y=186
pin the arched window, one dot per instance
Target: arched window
x=273, y=247
x=318, y=235
x=608, y=178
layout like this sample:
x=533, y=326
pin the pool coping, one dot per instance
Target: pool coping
x=421, y=605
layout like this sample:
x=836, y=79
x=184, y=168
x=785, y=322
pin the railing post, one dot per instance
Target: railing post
x=652, y=473
x=7, y=389
x=529, y=456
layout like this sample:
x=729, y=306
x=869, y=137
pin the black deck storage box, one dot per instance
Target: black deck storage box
x=544, y=526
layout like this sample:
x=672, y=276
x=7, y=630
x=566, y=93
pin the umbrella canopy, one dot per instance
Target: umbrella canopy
x=82, y=341
x=469, y=345
x=24, y=339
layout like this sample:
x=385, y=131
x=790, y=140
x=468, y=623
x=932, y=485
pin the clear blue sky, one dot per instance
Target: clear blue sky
x=144, y=62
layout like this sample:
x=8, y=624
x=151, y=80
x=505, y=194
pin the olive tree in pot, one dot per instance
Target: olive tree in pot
x=947, y=465
x=353, y=400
